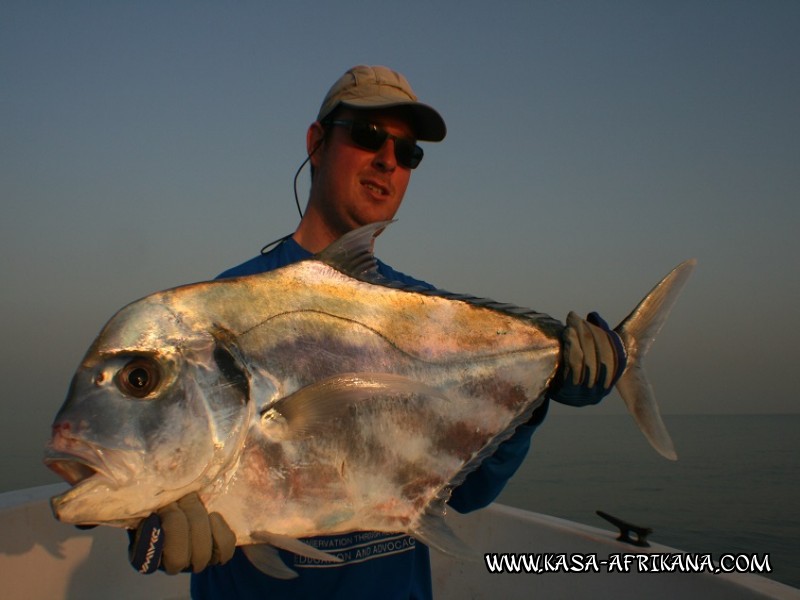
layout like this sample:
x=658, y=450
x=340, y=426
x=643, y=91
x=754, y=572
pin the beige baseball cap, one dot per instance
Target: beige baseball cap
x=364, y=87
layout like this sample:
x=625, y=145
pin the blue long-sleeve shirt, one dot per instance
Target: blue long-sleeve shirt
x=376, y=565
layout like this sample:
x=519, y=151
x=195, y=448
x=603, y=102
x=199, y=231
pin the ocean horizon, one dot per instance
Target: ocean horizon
x=733, y=489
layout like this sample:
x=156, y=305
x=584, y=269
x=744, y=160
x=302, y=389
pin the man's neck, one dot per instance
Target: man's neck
x=313, y=234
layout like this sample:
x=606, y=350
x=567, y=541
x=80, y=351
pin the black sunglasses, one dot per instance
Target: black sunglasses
x=371, y=137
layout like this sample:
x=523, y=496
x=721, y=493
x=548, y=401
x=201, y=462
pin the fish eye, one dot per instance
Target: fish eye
x=139, y=377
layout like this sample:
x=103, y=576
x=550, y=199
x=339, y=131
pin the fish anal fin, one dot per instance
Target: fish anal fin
x=295, y=546
x=266, y=559
x=433, y=531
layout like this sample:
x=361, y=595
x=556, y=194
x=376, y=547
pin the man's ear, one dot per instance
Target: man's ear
x=315, y=136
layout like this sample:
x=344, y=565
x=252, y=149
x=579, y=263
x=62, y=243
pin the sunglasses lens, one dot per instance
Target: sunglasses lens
x=407, y=153
x=368, y=136
x=371, y=138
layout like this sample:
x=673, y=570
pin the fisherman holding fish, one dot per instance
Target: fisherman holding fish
x=326, y=408
x=362, y=149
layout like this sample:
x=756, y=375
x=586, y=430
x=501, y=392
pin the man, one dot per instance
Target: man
x=362, y=149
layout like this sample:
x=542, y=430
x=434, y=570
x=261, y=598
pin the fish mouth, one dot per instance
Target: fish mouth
x=76, y=462
x=97, y=479
x=71, y=469
x=84, y=477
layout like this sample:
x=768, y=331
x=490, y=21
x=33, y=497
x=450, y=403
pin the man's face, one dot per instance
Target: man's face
x=353, y=186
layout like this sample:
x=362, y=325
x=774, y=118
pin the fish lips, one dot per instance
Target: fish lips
x=72, y=469
x=86, y=477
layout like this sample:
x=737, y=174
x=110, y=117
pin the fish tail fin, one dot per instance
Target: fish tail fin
x=638, y=330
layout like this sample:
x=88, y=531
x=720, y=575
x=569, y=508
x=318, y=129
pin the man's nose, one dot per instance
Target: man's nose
x=385, y=158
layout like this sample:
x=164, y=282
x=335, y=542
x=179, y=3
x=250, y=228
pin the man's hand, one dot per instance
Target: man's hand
x=594, y=359
x=180, y=535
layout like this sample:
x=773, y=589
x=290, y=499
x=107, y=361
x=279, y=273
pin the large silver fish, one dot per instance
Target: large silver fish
x=314, y=399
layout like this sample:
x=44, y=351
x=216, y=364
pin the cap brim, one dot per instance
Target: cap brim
x=427, y=123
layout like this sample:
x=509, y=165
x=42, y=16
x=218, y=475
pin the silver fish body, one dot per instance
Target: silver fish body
x=312, y=400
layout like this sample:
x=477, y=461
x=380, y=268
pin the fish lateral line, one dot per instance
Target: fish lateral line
x=419, y=357
x=353, y=255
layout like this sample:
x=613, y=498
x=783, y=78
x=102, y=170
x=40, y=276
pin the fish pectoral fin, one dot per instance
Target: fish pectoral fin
x=295, y=546
x=266, y=559
x=315, y=406
x=433, y=531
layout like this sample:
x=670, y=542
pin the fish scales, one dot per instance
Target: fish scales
x=310, y=400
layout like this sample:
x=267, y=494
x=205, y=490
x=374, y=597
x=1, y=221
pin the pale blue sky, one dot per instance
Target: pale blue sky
x=592, y=146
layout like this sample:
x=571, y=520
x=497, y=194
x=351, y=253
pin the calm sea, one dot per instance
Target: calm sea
x=735, y=487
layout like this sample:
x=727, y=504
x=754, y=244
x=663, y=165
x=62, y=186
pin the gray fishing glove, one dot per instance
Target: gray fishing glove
x=182, y=535
x=594, y=359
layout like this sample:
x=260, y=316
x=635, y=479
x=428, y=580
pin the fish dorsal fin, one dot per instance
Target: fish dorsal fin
x=353, y=253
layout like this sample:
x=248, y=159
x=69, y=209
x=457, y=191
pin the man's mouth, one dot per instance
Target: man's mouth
x=376, y=188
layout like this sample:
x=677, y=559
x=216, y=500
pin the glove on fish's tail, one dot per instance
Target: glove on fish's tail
x=638, y=330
